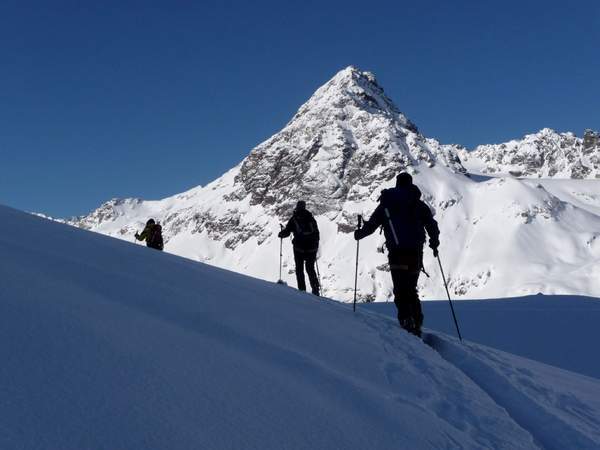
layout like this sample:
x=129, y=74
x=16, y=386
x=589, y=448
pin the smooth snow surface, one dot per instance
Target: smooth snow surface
x=110, y=345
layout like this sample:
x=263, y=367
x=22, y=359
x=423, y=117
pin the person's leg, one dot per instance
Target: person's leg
x=411, y=298
x=397, y=270
x=311, y=259
x=401, y=306
x=404, y=267
x=299, y=260
x=415, y=271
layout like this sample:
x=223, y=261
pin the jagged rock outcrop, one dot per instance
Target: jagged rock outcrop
x=591, y=141
x=546, y=154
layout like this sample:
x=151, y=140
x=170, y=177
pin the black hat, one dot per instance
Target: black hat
x=300, y=205
x=403, y=179
x=150, y=222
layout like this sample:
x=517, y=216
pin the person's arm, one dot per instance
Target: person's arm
x=431, y=226
x=316, y=228
x=144, y=235
x=370, y=225
x=287, y=230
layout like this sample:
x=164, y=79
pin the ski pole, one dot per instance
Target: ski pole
x=280, y=281
x=318, y=275
x=448, y=293
x=356, y=269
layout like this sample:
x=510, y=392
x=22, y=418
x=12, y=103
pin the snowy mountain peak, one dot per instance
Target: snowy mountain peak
x=352, y=89
x=344, y=143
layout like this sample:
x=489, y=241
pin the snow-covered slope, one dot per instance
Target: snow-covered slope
x=552, y=329
x=545, y=154
x=346, y=144
x=110, y=345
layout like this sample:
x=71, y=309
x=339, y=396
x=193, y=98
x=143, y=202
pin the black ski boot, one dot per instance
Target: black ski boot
x=410, y=326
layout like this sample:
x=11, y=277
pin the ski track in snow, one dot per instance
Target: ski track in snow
x=525, y=398
x=388, y=329
x=556, y=419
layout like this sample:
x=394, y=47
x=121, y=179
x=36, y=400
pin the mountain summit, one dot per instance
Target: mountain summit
x=352, y=88
x=342, y=147
x=342, y=144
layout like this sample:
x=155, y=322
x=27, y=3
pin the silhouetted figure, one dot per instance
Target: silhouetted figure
x=152, y=234
x=404, y=218
x=306, y=244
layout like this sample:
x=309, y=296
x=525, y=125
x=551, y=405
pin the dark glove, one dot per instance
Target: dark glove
x=137, y=236
x=434, y=244
x=280, y=235
x=358, y=234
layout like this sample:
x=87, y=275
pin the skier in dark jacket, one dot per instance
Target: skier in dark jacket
x=152, y=234
x=404, y=218
x=306, y=244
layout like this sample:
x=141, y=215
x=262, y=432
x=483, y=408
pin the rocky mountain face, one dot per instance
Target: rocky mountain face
x=346, y=144
x=342, y=145
x=546, y=154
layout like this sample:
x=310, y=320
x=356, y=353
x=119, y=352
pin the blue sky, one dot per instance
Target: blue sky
x=147, y=99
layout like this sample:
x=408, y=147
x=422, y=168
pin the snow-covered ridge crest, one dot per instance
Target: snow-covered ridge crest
x=545, y=154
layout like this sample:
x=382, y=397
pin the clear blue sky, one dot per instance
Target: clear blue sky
x=147, y=99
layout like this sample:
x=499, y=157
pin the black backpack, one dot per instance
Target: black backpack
x=306, y=233
x=155, y=239
x=304, y=226
x=402, y=224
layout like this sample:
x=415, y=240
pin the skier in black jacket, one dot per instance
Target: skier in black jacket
x=152, y=234
x=404, y=218
x=306, y=244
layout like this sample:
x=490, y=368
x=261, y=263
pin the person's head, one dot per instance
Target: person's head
x=404, y=179
x=301, y=205
x=150, y=222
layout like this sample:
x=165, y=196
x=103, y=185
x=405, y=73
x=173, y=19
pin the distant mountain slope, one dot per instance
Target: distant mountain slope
x=341, y=148
x=546, y=154
x=111, y=345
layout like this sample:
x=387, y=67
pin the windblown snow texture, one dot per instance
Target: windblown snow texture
x=111, y=345
x=345, y=145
